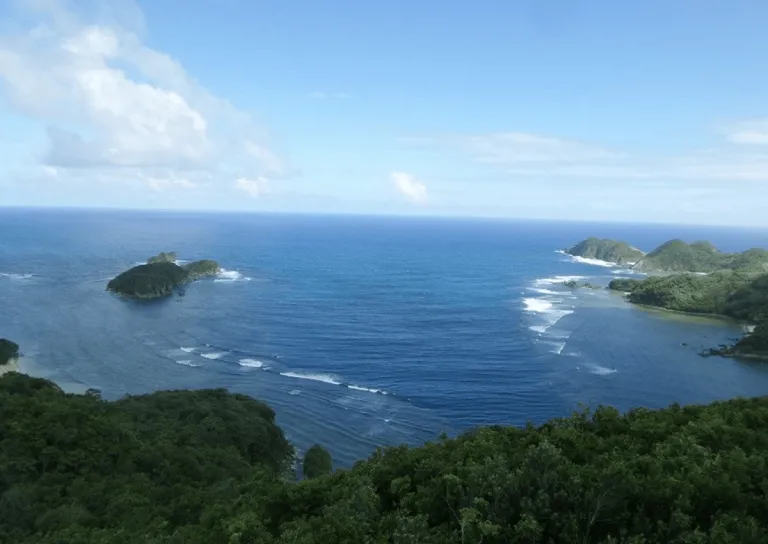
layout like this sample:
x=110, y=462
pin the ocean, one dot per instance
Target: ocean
x=360, y=332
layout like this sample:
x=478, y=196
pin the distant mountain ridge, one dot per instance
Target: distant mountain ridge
x=673, y=256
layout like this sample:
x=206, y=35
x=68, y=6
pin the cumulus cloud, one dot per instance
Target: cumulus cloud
x=111, y=103
x=256, y=187
x=413, y=189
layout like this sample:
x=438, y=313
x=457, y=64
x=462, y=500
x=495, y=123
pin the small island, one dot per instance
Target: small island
x=611, y=251
x=160, y=276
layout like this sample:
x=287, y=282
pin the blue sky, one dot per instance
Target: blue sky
x=651, y=111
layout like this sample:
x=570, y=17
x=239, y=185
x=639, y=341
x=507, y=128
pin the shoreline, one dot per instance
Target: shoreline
x=715, y=317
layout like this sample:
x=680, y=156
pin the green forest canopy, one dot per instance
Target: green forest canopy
x=212, y=467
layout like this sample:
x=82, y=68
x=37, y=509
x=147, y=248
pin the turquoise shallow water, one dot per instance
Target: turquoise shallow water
x=360, y=332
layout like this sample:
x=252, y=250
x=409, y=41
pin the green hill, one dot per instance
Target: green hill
x=703, y=257
x=211, y=467
x=612, y=251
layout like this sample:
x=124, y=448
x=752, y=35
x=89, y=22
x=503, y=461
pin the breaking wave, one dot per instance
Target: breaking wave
x=251, y=363
x=229, y=276
x=214, y=355
x=331, y=380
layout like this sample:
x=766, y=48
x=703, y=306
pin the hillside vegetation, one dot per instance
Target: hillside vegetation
x=211, y=467
x=678, y=256
x=612, y=251
x=673, y=256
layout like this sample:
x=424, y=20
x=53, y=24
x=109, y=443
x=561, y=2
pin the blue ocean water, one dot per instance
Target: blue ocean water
x=359, y=331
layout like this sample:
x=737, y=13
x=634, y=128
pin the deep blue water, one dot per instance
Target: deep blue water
x=459, y=322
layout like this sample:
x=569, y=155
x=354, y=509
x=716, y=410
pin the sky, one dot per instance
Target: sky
x=653, y=111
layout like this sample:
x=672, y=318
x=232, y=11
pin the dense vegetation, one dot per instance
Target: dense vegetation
x=317, y=462
x=623, y=284
x=754, y=344
x=738, y=295
x=160, y=276
x=678, y=256
x=210, y=467
x=8, y=350
x=163, y=257
x=149, y=280
x=612, y=251
x=200, y=269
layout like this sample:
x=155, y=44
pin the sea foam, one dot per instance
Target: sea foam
x=230, y=276
x=325, y=378
x=601, y=370
x=556, y=280
x=537, y=305
x=251, y=363
x=13, y=276
x=331, y=380
x=593, y=262
x=214, y=355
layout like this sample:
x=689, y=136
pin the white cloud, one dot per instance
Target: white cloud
x=522, y=148
x=751, y=132
x=522, y=155
x=256, y=187
x=409, y=186
x=112, y=103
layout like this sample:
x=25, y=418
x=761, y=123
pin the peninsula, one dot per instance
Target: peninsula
x=160, y=276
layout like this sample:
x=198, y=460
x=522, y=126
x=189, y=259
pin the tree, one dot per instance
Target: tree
x=317, y=462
